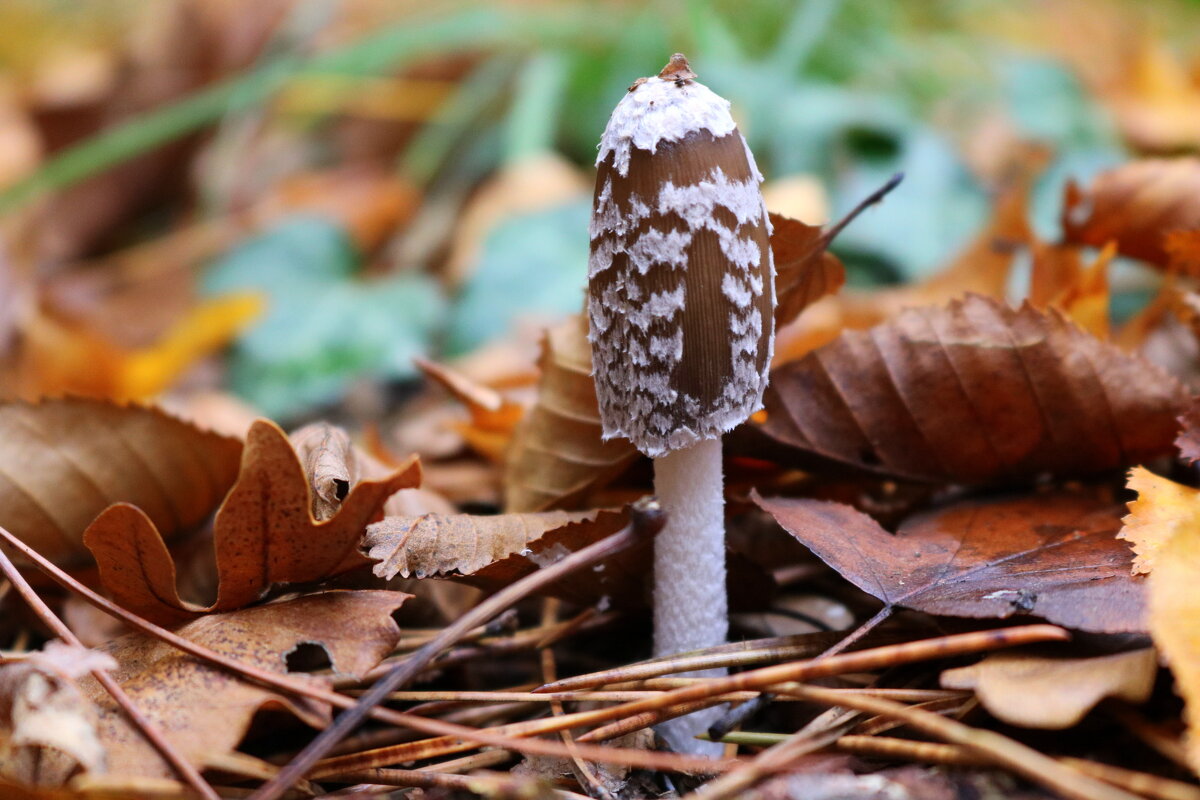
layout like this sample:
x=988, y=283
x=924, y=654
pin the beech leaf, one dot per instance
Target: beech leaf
x=264, y=533
x=557, y=454
x=204, y=710
x=64, y=461
x=1051, y=555
x=974, y=393
x=492, y=552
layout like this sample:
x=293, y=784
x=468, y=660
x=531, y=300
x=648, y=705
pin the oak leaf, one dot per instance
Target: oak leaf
x=973, y=393
x=1164, y=528
x=1137, y=205
x=1036, y=690
x=264, y=533
x=205, y=710
x=1054, y=556
x=62, y=462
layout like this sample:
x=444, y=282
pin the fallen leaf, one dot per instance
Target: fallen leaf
x=1137, y=205
x=1054, y=692
x=557, y=454
x=264, y=533
x=1085, y=300
x=328, y=458
x=494, y=418
x=62, y=462
x=804, y=271
x=1188, y=440
x=492, y=552
x=47, y=727
x=1163, y=509
x=204, y=710
x=1163, y=528
x=974, y=393
x=1052, y=555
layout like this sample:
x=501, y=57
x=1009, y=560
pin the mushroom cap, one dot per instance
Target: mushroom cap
x=680, y=277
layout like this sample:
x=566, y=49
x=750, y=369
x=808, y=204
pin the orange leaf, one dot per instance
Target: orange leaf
x=264, y=533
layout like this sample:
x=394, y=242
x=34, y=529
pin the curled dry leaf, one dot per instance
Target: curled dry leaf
x=47, y=727
x=492, y=552
x=1042, y=691
x=1164, y=528
x=204, y=710
x=974, y=393
x=62, y=462
x=329, y=462
x=1137, y=205
x=264, y=533
x=804, y=271
x=1054, y=556
x=557, y=455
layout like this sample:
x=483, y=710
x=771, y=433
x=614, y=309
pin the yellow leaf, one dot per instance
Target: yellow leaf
x=209, y=327
x=1163, y=509
x=1164, y=526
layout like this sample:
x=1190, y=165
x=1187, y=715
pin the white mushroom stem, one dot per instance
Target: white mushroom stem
x=690, y=608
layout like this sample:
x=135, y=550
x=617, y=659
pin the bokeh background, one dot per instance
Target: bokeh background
x=286, y=201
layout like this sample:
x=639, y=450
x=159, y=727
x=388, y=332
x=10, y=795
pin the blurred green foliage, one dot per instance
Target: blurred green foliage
x=847, y=91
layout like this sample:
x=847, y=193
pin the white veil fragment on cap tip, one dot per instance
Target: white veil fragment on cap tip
x=659, y=110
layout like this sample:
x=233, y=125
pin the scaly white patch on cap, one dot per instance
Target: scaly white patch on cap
x=657, y=110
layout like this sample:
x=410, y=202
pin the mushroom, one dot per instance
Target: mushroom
x=681, y=307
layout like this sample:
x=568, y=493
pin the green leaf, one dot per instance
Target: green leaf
x=532, y=264
x=323, y=328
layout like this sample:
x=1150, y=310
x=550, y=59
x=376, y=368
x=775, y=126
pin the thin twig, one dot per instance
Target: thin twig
x=189, y=774
x=999, y=749
x=760, y=679
x=1142, y=783
x=583, y=771
x=738, y=654
x=646, y=519
x=874, y=197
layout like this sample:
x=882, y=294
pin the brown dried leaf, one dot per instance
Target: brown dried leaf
x=974, y=393
x=1188, y=440
x=492, y=552
x=557, y=455
x=1137, y=205
x=1042, y=691
x=62, y=462
x=264, y=533
x=204, y=710
x=804, y=271
x=1055, y=556
x=328, y=457
x=47, y=728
